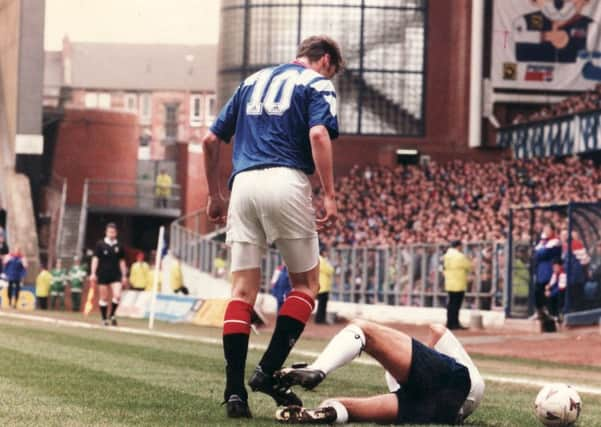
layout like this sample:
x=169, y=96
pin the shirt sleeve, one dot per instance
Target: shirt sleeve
x=225, y=124
x=98, y=251
x=121, y=252
x=323, y=106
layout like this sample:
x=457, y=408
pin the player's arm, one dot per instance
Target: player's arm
x=321, y=147
x=323, y=125
x=123, y=268
x=94, y=268
x=222, y=130
x=211, y=146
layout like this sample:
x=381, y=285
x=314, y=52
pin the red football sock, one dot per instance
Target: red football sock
x=293, y=316
x=236, y=328
x=237, y=318
x=298, y=305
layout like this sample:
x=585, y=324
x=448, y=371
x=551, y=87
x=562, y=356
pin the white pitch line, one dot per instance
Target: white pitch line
x=529, y=382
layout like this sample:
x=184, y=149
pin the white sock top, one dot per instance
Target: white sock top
x=341, y=350
x=341, y=411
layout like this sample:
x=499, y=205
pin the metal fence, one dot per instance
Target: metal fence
x=409, y=275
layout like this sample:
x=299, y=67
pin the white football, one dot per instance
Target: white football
x=557, y=405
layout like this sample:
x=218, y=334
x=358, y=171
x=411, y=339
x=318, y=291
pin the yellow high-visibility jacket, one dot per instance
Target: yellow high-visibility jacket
x=176, y=278
x=43, y=283
x=326, y=275
x=139, y=275
x=163, y=185
x=151, y=275
x=457, y=266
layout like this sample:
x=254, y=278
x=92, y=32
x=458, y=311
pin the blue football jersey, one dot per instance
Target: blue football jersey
x=271, y=114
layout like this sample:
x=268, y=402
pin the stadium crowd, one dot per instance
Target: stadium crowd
x=587, y=101
x=437, y=203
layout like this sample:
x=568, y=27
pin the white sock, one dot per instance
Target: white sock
x=341, y=411
x=343, y=348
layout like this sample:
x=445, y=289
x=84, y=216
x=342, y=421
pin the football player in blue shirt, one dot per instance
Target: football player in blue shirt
x=283, y=119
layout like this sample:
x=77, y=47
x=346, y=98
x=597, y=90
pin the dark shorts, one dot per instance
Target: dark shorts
x=107, y=279
x=436, y=388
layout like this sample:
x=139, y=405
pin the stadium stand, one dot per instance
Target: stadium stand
x=436, y=203
x=584, y=102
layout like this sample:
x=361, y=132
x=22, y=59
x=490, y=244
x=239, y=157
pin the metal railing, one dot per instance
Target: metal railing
x=132, y=194
x=408, y=275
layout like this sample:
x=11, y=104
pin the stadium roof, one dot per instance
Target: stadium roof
x=143, y=66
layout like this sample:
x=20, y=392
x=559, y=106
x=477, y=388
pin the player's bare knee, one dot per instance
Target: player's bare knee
x=244, y=294
x=313, y=287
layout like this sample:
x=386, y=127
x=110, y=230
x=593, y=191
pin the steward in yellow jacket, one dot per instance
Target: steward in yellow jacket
x=42, y=288
x=176, y=278
x=139, y=274
x=457, y=267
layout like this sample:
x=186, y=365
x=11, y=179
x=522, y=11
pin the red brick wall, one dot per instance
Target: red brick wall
x=156, y=126
x=96, y=144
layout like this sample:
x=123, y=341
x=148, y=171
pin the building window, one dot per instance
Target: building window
x=211, y=105
x=145, y=108
x=382, y=89
x=91, y=100
x=130, y=102
x=171, y=124
x=104, y=100
x=195, y=110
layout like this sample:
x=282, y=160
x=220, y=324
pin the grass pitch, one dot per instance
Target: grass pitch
x=52, y=376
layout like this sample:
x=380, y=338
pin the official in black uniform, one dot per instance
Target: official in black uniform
x=109, y=270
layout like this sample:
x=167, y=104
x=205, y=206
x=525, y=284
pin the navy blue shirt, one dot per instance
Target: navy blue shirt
x=271, y=114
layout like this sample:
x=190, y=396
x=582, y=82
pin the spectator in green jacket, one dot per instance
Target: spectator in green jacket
x=57, y=288
x=77, y=275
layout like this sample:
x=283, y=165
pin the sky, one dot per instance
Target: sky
x=132, y=21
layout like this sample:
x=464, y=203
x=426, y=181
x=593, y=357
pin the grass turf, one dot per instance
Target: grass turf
x=73, y=377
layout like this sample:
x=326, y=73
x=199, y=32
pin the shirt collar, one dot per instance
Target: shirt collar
x=109, y=241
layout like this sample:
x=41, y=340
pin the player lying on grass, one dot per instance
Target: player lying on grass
x=433, y=383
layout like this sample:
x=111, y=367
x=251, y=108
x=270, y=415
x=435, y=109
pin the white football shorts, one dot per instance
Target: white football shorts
x=272, y=205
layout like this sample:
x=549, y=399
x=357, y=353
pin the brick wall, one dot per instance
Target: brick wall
x=155, y=127
x=97, y=144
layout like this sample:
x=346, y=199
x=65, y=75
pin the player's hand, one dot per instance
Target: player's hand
x=216, y=210
x=93, y=279
x=329, y=219
x=124, y=282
